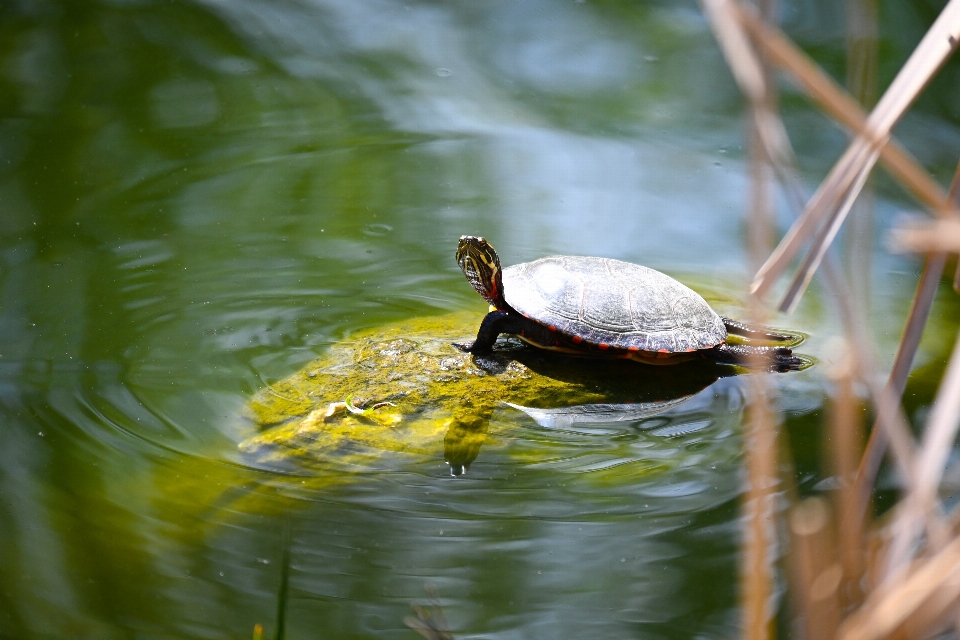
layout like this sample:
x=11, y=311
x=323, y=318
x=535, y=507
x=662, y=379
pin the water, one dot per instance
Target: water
x=197, y=199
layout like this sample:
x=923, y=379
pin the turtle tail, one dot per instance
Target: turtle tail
x=775, y=358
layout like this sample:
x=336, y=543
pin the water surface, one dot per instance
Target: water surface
x=198, y=198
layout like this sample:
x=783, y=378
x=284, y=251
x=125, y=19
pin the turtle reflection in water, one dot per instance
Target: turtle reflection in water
x=405, y=389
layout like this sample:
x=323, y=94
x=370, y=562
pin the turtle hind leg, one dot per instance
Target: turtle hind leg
x=744, y=330
x=777, y=358
x=494, y=323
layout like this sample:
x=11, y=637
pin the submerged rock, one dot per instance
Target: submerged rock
x=404, y=389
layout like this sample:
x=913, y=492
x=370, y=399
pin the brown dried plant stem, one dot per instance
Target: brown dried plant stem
x=862, y=32
x=827, y=209
x=939, y=436
x=862, y=29
x=846, y=433
x=764, y=109
x=941, y=236
x=757, y=573
x=760, y=507
x=822, y=89
x=914, y=607
x=862, y=84
x=933, y=267
x=816, y=574
x=748, y=71
x=915, y=597
x=919, y=598
x=769, y=147
x=886, y=402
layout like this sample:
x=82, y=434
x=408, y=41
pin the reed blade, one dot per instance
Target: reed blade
x=933, y=50
x=839, y=105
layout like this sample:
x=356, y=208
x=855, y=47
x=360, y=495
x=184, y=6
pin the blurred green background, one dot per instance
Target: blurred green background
x=197, y=198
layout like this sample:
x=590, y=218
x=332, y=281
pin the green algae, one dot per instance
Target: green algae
x=404, y=389
x=395, y=397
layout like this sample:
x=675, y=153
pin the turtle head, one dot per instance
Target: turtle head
x=480, y=263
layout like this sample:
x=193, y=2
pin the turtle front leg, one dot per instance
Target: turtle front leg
x=494, y=323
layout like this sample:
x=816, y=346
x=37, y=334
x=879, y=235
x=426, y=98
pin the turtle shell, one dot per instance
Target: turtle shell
x=604, y=301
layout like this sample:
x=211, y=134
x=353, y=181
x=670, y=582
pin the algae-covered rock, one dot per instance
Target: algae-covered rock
x=403, y=389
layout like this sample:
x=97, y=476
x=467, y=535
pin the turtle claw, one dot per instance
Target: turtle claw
x=485, y=359
x=784, y=360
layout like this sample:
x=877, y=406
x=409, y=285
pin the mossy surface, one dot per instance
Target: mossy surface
x=404, y=388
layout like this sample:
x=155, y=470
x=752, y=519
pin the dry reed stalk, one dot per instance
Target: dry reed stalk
x=760, y=507
x=917, y=605
x=909, y=343
x=938, y=438
x=897, y=382
x=862, y=30
x=817, y=575
x=941, y=431
x=846, y=433
x=826, y=588
x=761, y=225
x=763, y=110
x=751, y=76
x=834, y=101
x=765, y=132
x=941, y=236
x=748, y=68
x=822, y=211
x=761, y=228
x=845, y=425
x=848, y=189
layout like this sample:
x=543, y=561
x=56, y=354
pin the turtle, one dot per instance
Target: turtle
x=608, y=308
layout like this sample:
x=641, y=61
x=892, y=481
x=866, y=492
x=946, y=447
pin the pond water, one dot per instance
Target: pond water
x=199, y=198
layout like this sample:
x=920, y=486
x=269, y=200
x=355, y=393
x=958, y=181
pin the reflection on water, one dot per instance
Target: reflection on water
x=198, y=199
